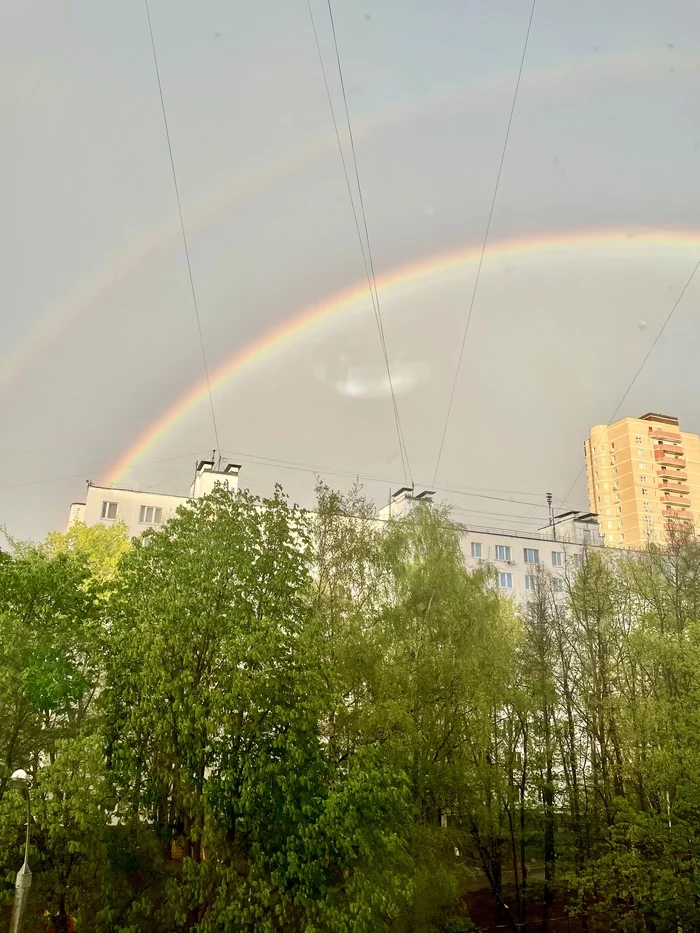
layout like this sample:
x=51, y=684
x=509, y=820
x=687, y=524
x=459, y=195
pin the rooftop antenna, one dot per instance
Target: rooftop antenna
x=551, y=515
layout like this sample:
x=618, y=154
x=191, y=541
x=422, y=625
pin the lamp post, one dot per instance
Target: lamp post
x=22, y=781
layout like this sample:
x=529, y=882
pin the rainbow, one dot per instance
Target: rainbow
x=61, y=316
x=287, y=334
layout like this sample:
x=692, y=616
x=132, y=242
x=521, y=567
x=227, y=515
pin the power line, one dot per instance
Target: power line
x=147, y=465
x=182, y=227
x=58, y=479
x=627, y=391
x=656, y=339
x=359, y=233
x=483, y=246
x=366, y=258
x=306, y=467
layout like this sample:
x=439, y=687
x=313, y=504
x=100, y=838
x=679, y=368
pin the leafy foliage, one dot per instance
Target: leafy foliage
x=256, y=719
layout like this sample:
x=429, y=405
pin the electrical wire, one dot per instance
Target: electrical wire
x=366, y=258
x=182, y=227
x=629, y=388
x=58, y=479
x=484, y=245
x=306, y=467
x=146, y=465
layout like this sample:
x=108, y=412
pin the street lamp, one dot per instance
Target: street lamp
x=21, y=780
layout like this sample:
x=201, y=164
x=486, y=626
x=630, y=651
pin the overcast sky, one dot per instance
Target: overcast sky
x=97, y=328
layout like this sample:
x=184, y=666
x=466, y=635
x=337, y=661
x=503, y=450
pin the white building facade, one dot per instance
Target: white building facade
x=516, y=559
x=141, y=509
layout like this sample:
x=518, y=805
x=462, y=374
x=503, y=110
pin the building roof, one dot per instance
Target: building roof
x=141, y=492
x=655, y=416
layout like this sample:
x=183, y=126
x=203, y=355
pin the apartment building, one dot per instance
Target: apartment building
x=517, y=559
x=643, y=479
x=141, y=509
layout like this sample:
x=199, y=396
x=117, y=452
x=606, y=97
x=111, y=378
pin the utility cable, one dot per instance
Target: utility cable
x=182, y=227
x=484, y=245
x=629, y=388
x=367, y=258
x=306, y=467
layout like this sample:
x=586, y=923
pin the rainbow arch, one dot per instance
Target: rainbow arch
x=68, y=311
x=285, y=335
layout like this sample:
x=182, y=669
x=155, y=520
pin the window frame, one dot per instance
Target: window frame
x=154, y=510
x=104, y=515
x=476, y=546
x=503, y=574
x=507, y=553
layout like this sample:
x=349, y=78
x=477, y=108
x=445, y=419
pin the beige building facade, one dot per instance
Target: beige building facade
x=643, y=479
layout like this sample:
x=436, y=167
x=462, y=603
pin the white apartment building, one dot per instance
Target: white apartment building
x=141, y=509
x=516, y=557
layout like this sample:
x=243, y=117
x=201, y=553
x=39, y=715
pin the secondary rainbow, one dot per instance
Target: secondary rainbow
x=286, y=334
x=59, y=317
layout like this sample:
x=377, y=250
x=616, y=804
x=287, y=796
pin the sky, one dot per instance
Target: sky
x=594, y=235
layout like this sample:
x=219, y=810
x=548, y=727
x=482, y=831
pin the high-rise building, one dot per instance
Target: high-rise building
x=643, y=479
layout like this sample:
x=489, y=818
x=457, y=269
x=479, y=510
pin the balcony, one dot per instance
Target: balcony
x=674, y=500
x=670, y=448
x=678, y=517
x=662, y=459
x=678, y=473
x=674, y=487
x=665, y=435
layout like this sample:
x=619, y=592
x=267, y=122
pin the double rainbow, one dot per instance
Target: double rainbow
x=285, y=335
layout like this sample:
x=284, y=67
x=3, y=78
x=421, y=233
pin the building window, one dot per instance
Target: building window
x=604, y=472
x=606, y=498
x=558, y=585
x=614, y=469
x=557, y=558
x=642, y=466
x=109, y=510
x=505, y=581
x=602, y=448
x=609, y=524
x=640, y=452
x=150, y=515
x=646, y=506
x=622, y=537
x=531, y=555
x=476, y=548
x=608, y=512
x=645, y=492
x=638, y=440
x=606, y=485
x=530, y=582
x=502, y=552
x=642, y=479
